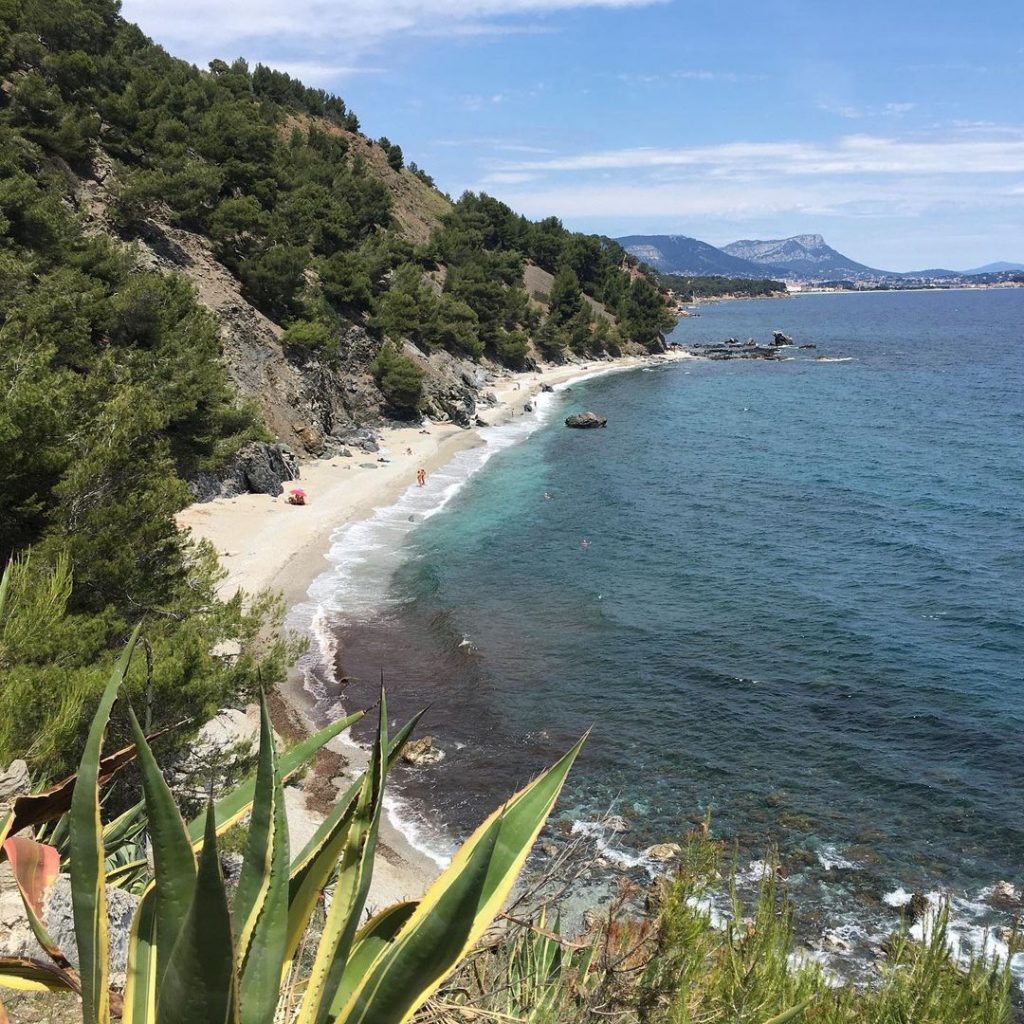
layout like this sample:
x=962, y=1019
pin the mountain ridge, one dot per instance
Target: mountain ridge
x=804, y=258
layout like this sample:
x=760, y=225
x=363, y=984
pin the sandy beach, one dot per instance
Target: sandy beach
x=265, y=543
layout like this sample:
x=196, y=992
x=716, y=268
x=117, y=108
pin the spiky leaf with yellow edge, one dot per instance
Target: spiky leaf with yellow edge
x=355, y=870
x=261, y=899
x=457, y=909
x=88, y=886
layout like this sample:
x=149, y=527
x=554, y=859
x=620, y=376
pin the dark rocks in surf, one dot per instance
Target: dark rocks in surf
x=808, y=346
x=732, y=350
x=546, y=387
x=780, y=340
x=586, y=421
x=915, y=908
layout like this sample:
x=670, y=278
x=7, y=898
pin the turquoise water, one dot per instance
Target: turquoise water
x=800, y=609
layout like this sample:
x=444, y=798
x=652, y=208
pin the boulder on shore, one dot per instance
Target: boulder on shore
x=586, y=420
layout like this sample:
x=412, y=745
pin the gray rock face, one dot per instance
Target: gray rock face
x=586, y=421
x=450, y=389
x=16, y=938
x=257, y=468
x=14, y=781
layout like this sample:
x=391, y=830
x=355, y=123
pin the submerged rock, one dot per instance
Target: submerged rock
x=616, y=823
x=586, y=420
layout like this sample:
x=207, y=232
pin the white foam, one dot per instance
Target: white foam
x=830, y=858
x=606, y=841
x=970, y=931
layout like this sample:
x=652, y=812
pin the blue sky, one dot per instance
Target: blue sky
x=895, y=129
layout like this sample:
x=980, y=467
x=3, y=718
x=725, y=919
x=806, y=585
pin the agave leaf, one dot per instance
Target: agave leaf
x=4, y=1019
x=124, y=828
x=231, y=808
x=355, y=871
x=370, y=940
x=447, y=922
x=173, y=861
x=36, y=867
x=124, y=874
x=261, y=900
x=313, y=868
x=23, y=974
x=88, y=891
x=140, y=989
x=200, y=982
x=5, y=829
x=411, y=966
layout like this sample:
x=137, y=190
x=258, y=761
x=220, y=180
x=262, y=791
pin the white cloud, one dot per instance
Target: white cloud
x=849, y=155
x=226, y=25
x=852, y=112
x=855, y=179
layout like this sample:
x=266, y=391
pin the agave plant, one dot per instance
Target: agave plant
x=196, y=956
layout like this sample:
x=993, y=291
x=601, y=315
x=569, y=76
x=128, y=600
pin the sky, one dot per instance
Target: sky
x=895, y=129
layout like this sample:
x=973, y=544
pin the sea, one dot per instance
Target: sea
x=787, y=597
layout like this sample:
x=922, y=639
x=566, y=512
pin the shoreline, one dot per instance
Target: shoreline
x=264, y=543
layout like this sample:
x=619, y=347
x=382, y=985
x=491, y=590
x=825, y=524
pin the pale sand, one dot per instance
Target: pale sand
x=265, y=543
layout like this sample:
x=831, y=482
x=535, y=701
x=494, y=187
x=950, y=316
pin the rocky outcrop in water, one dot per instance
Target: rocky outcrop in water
x=586, y=421
x=421, y=752
x=732, y=349
x=780, y=340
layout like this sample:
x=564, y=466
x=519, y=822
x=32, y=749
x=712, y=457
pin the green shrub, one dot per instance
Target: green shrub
x=310, y=335
x=400, y=380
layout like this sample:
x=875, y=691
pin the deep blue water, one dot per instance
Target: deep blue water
x=802, y=606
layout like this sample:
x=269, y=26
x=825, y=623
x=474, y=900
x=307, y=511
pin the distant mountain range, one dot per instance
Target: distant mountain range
x=678, y=254
x=804, y=258
x=995, y=268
